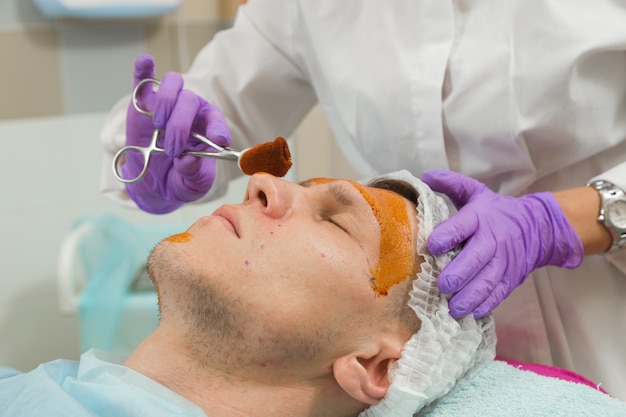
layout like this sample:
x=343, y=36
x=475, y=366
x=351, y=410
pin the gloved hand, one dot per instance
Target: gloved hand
x=172, y=180
x=505, y=239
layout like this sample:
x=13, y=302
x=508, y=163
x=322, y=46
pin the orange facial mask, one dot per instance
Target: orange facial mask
x=397, y=257
x=397, y=247
x=179, y=238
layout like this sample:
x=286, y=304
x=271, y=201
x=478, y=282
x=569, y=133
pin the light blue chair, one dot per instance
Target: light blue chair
x=102, y=275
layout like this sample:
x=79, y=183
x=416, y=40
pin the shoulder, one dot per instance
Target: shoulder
x=42, y=388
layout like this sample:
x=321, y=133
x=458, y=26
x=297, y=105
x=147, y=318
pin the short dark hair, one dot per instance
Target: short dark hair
x=397, y=186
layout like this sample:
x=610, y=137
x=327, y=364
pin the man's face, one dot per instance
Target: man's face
x=289, y=271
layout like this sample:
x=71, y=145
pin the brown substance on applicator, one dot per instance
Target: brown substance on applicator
x=271, y=157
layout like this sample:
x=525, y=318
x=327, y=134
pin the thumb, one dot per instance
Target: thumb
x=459, y=188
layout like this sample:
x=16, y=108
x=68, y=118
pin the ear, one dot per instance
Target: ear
x=364, y=376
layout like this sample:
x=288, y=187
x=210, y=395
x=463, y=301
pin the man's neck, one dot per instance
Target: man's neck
x=225, y=394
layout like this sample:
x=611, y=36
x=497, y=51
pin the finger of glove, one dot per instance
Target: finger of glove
x=193, y=177
x=179, y=124
x=194, y=168
x=477, y=288
x=459, y=188
x=166, y=98
x=216, y=128
x=452, y=232
x=502, y=290
x=468, y=264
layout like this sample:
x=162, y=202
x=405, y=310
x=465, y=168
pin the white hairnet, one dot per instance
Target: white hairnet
x=445, y=352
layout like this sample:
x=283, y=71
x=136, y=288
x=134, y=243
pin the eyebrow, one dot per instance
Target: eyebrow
x=336, y=191
x=340, y=195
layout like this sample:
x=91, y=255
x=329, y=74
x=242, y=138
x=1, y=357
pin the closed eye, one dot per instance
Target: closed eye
x=330, y=220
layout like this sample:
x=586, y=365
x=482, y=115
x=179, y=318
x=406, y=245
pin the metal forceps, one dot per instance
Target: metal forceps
x=146, y=151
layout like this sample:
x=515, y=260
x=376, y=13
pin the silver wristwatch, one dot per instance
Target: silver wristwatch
x=612, y=211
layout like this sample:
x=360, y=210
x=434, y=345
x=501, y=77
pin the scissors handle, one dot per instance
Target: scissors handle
x=120, y=158
x=146, y=151
x=135, y=96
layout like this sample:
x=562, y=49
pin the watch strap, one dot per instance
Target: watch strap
x=609, y=194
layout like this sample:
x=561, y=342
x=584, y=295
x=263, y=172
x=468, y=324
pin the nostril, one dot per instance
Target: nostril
x=263, y=198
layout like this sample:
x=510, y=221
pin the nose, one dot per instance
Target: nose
x=275, y=196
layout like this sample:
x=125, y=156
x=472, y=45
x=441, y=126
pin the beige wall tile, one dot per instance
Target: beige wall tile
x=317, y=153
x=340, y=167
x=201, y=9
x=162, y=43
x=199, y=34
x=228, y=8
x=29, y=74
x=206, y=9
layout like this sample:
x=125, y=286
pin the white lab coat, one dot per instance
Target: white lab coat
x=525, y=96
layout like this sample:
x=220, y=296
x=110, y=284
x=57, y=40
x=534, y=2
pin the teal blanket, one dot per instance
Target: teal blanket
x=503, y=390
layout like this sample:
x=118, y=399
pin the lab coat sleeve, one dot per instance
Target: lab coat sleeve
x=616, y=175
x=250, y=73
x=113, y=138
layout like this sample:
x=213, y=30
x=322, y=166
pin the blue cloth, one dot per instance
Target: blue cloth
x=503, y=390
x=6, y=372
x=98, y=385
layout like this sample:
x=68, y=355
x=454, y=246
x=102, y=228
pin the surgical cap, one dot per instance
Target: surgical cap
x=446, y=352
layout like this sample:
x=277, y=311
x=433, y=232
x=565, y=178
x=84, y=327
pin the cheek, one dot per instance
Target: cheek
x=317, y=264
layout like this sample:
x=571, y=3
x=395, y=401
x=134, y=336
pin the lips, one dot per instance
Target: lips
x=228, y=216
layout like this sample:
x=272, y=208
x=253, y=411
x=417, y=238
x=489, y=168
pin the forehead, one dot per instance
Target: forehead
x=345, y=192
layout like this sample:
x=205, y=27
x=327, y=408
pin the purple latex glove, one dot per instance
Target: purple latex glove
x=172, y=180
x=505, y=239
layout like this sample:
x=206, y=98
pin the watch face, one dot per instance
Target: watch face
x=616, y=213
